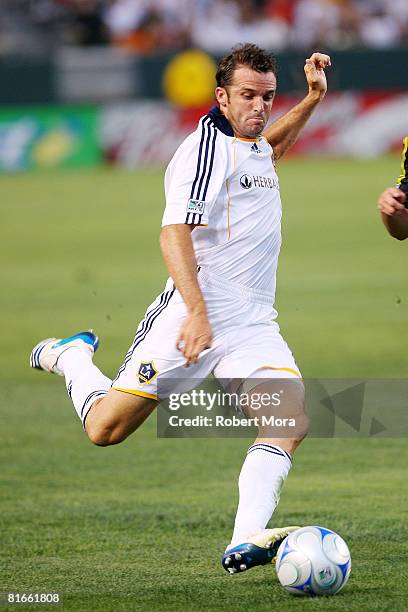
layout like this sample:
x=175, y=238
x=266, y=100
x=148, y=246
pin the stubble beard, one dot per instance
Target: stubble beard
x=255, y=131
x=246, y=131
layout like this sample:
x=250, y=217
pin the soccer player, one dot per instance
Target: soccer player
x=220, y=239
x=393, y=202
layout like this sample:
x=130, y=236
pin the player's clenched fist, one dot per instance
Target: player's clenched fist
x=391, y=201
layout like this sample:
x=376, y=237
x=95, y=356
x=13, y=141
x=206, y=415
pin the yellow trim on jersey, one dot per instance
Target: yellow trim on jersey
x=235, y=155
x=269, y=367
x=403, y=174
x=228, y=208
x=248, y=139
x=140, y=393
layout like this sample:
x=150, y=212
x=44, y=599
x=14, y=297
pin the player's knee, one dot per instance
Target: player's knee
x=105, y=435
x=99, y=437
x=302, y=428
x=292, y=441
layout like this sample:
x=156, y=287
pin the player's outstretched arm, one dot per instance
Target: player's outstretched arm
x=282, y=134
x=177, y=247
x=393, y=212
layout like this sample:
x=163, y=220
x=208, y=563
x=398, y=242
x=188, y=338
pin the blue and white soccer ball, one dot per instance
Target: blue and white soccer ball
x=313, y=561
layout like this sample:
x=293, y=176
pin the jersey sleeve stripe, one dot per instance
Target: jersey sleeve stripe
x=200, y=152
x=194, y=219
x=204, y=168
x=211, y=163
x=205, y=164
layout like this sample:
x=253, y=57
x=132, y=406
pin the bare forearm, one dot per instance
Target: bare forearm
x=178, y=254
x=397, y=225
x=282, y=134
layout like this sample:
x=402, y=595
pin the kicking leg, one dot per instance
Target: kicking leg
x=265, y=469
x=113, y=418
x=107, y=415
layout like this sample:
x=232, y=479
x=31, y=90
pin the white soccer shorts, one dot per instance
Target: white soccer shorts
x=247, y=339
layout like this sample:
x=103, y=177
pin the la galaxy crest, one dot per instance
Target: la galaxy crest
x=147, y=372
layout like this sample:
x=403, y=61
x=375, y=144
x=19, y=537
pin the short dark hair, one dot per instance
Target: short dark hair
x=245, y=54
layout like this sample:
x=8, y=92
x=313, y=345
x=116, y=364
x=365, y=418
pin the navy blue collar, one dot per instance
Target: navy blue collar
x=220, y=121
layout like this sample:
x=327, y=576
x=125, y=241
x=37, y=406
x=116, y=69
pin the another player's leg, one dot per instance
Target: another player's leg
x=107, y=415
x=263, y=473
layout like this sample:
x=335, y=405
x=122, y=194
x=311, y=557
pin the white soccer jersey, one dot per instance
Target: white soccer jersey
x=228, y=187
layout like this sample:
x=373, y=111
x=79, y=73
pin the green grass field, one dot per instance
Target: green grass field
x=141, y=526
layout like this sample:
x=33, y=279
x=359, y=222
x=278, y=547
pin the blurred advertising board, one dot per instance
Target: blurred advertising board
x=354, y=124
x=48, y=137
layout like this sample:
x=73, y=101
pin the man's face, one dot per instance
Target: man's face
x=247, y=101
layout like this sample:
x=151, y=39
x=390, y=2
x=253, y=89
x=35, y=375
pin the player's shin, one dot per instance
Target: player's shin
x=277, y=405
x=263, y=473
x=84, y=381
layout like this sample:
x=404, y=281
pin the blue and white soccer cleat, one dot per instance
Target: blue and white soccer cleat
x=46, y=353
x=259, y=549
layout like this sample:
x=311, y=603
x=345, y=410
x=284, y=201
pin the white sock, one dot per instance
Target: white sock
x=84, y=381
x=262, y=475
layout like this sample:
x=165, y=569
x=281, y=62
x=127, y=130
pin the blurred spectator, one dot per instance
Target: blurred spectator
x=326, y=23
x=280, y=9
x=380, y=30
x=88, y=27
x=18, y=29
x=149, y=25
x=154, y=26
x=230, y=21
x=382, y=23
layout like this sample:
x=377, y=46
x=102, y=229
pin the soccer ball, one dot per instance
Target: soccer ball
x=313, y=561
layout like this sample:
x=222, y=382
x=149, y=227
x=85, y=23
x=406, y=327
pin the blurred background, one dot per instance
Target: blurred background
x=123, y=81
